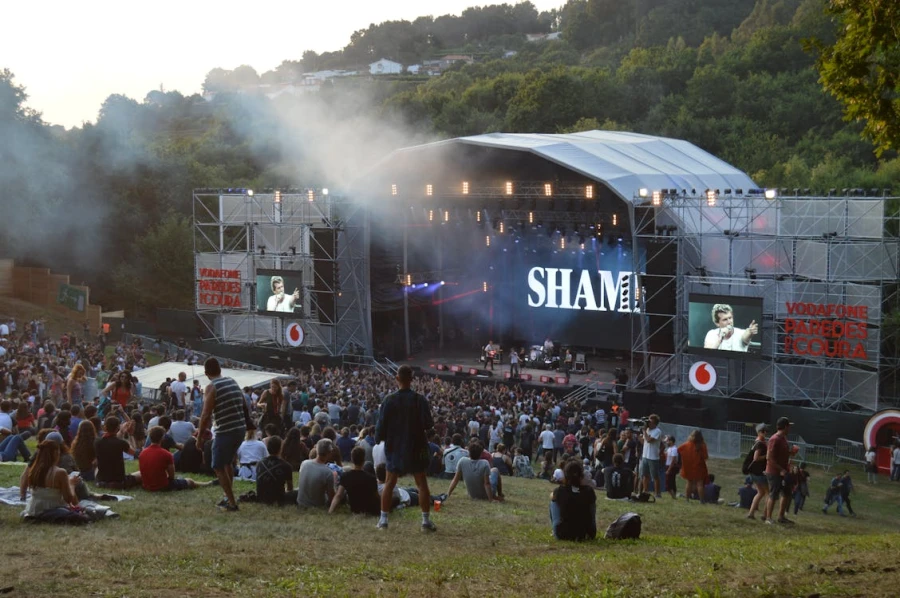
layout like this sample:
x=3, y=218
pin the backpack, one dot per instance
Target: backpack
x=626, y=527
x=642, y=497
x=748, y=461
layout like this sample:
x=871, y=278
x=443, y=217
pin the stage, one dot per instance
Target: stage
x=600, y=371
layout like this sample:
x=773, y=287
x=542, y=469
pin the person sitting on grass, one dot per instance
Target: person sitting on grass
x=249, y=454
x=482, y=481
x=402, y=497
x=573, y=506
x=274, y=476
x=746, y=493
x=190, y=459
x=315, y=488
x=522, y=465
x=168, y=441
x=293, y=450
x=83, y=450
x=12, y=445
x=618, y=479
x=157, y=466
x=711, y=490
x=358, y=487
x=51, y=487
x=110, y=463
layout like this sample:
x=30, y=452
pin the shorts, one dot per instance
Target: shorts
x=760, y=480
x=176, y=484
x=649, y=468
x=402, y=465
x=671, y=480
x=225, y=447
x=776, y=485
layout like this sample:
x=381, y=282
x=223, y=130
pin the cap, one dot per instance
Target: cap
x=783, y=422
x=55, y=437
x=748, y=480
x=761, y=427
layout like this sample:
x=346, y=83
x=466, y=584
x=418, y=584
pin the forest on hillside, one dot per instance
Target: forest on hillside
x=111, y=200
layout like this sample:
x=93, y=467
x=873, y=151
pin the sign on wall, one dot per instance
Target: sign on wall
x=72, y=297
x=219, y=288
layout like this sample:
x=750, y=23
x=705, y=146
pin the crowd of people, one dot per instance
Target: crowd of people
x=349, y=435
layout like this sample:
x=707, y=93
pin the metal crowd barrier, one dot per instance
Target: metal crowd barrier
x=721, y=444
x=850, y=450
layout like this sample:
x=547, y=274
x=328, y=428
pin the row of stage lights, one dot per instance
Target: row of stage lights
x=508, y=189
x=711, y=195
x=444, y=216
x=310, y=193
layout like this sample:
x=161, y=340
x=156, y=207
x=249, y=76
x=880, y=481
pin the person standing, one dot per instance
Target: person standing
x=778, y=457
x=403, y=425
x=693, y=455
x=489, y=355
x=871, y=467
x=179, y=389
x=513, y=364
x=224, y=403
x=650, y=455
x=895, y=469
x=757, y=470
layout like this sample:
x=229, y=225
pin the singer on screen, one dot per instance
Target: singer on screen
x=725, y=336
x=280, y=301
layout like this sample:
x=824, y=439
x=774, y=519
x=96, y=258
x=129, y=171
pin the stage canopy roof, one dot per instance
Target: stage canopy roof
x=152, y=377
x=624, y=162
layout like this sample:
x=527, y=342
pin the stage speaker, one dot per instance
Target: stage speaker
x=659, y=296
x=441, y=367
x=526, y=377
x=523, y=377
x=456, y=368
x=561, y=380
x=323, y=246
x=483, y=373
x=546, y=379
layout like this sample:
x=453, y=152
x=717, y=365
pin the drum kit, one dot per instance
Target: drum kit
x=538, y=357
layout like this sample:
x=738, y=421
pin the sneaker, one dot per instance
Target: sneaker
x=382, y=525
x=228, y=508
x=429, y=526
x=751, y=516
x=223, y=502
x=769, y=521
x=785, y=521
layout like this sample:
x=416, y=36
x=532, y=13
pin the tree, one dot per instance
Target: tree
x=862, y=67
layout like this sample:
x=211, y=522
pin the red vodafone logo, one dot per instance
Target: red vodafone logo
x=294, y=334
x=702, y=376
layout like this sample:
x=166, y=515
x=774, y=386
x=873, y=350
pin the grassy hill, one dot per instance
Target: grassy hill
x=178, y=544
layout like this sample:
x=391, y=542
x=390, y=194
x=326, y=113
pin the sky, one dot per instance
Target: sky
x=71, y=56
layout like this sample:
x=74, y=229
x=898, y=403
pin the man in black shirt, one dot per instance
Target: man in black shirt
x=110, y=463
x=359, y=487
x=619, y=479
x=274, y=476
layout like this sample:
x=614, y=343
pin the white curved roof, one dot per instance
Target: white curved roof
x=625, y=162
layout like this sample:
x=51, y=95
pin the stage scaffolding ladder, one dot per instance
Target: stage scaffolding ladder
x=583, y=392
x=384, y=366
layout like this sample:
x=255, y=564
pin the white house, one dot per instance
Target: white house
x=385, y=67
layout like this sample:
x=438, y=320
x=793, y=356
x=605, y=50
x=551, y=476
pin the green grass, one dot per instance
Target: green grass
x=179, y=544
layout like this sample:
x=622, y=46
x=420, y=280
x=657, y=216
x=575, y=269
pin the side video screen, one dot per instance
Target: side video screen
x=279, y=292
x=719, y=324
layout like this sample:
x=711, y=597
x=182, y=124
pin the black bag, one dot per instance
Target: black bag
x=626, y=527
x=748, y=461
x=642, y=497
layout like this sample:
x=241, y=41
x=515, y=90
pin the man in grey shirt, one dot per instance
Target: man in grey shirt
x=316, y=485
x=480, y=478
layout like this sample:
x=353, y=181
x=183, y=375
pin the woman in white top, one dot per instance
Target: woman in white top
x=251, y=452
x=871, y=467
x=51, y=487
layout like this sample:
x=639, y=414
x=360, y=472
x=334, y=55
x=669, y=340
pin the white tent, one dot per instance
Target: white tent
x=150, y=378
x=625, y=162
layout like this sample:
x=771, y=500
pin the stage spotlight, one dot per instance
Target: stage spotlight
x=465, y=188
x=429, y=190
x=430, y=215
x=487, y=240
x=250, y=192
x=548, y=189
x=589, y=192
x=484, y=287
x=618, y=239
x=643, y=192
x=657, y=198
x=530, y=217
x=711, y=197
x=509, y=188
x=615, y=220
x=393, y=189
x=310, y=194
x=325, y=191
x=771, y=194
x=446, y=215
x=478, y=216
x=501, y=227
x=278, y=197
x=409, y=280
x=442, y=283
x=562, y=242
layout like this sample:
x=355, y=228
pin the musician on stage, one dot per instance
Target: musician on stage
x=513, y=364
x=489, y=355
x=548, y=346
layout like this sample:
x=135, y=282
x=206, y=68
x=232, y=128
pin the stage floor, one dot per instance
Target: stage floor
x=600, y=371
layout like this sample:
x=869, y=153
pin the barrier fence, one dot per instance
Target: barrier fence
x=721, y=444
x=850, y=450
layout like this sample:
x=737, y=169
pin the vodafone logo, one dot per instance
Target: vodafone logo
x=703, y=376
x=294, y=334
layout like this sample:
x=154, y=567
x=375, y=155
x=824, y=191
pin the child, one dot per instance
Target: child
x=801, y=488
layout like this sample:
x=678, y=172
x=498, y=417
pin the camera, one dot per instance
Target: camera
x=639, y=423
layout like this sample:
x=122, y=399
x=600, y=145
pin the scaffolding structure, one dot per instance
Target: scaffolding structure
x=321, y=237
x=798, y=249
